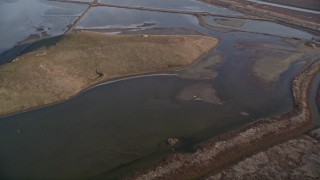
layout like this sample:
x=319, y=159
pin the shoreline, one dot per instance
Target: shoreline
x=219, y=152
x=106, y=81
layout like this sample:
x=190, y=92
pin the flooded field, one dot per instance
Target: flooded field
x=119, y=127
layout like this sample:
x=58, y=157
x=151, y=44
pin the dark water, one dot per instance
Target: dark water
x=115, y=124
x=104, y=127
x=116, y=128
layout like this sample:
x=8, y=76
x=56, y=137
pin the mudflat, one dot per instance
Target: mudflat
x=270, y=62
x=81, y=60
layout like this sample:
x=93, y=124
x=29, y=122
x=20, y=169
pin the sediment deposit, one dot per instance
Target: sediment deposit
x=221, y=151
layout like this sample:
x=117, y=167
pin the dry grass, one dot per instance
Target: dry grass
x=59, y=72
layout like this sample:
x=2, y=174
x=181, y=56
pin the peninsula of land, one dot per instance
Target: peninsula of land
x=81, y=60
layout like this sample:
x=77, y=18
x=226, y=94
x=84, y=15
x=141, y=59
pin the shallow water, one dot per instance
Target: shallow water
x=116, y=128
x=19, y=19
x=190, y=5
x=134, y=20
